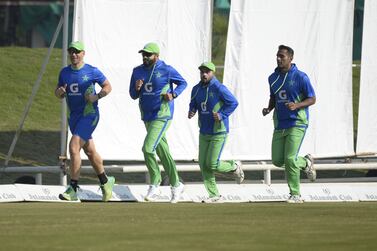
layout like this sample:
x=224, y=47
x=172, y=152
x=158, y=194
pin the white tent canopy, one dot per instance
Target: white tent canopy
x=320, y=32
x=367, y=124
x=113, y=32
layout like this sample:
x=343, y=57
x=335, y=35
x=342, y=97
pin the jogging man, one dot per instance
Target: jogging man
x=152, y=83
x=291, y=93
x=76, y=83
x=214, y=103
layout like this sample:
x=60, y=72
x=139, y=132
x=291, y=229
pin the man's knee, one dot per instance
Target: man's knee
x=290, y=162
x=73, y=152
x=74, y=149
x=89, y=152
x=148, y=150
x=89, y=149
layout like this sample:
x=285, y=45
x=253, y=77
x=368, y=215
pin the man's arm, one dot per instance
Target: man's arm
x=307, y=91
x=305, y=103
x=60, y=91
x=230, y=103
x=271, y=106
x=135, y=87
x=106, y=89
x=192, y=105
x=177, y=79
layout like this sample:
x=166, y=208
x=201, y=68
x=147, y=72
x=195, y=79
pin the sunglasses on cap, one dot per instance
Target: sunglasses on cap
x=73, y=50
x=146, y=54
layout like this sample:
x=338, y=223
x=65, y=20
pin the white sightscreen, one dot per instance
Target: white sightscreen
x=320, y=32
x=113, y=32
x=367, y=126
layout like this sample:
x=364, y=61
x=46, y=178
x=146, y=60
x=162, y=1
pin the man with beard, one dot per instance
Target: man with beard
x=152, y=83
x=214, y=104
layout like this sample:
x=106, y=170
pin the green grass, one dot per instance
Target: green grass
x=39, y=140
x=188, y=226
x=19, y=71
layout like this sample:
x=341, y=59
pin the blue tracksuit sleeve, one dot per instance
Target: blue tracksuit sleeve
x=307, y=88
x=230, y=102
x=194, y=92
x=133, y=93
x=177, y=79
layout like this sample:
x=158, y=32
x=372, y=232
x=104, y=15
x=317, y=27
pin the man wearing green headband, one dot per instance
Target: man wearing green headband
x=152, y=83
x=214, y=104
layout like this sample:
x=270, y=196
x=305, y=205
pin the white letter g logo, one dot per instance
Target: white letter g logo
x=74, y=87
x=148, y=87
x=283, y=94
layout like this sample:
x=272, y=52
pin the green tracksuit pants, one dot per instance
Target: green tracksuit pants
x=286, y=144
x=155, y=142
x=210, y=148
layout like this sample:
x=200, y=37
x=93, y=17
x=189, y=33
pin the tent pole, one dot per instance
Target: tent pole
x=212, y=7
x=63, y=131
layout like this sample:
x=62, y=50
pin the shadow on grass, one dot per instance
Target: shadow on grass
x=33, y=148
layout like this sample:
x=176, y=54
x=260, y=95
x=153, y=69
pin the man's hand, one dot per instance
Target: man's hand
x=265, y=111
x=139, y=84
x=168, y=96
x=291, y=106
x=91, y=98
x=191, y=114
x=61, y=91
x=216, y=116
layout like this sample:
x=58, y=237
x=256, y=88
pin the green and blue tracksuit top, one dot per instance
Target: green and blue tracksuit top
x=158, y=80
x=213, y=97
x=292, y=86
x=81, y=82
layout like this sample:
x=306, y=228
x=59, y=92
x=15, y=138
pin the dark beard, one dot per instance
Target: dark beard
x=147, y=62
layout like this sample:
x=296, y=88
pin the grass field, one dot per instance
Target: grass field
x=39, y=140
x=188, y=226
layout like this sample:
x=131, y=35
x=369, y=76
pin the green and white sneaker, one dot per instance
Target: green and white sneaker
x=309, y=170
x=153, y=193
x=295, y=199
x=69, y=194
x=176, y=192
x=214, y=199
x=238, y=173
x=107, y=188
